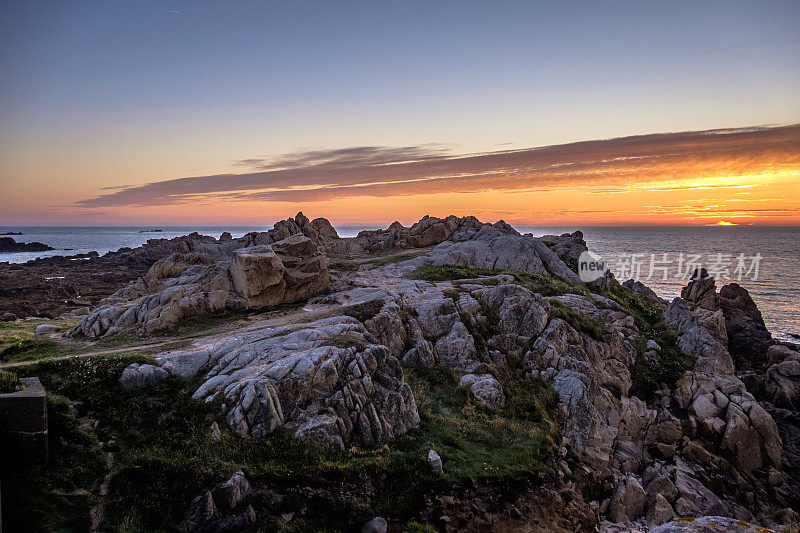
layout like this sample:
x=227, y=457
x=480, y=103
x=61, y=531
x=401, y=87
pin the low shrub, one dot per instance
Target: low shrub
x=579, y=322
x=9, y=382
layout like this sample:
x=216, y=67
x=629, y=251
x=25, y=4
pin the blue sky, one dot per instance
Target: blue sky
x=131, y=92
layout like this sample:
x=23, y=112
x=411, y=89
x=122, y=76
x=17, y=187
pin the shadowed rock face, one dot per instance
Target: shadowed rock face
x=8, y=244
x=748, y=337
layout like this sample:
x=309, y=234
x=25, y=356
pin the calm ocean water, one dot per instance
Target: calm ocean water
x=776, y=289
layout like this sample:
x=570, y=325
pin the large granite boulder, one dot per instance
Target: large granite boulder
x=327, y=380
x=487, y=391
x=190, y=284
x=570, y=245
x=500, y=247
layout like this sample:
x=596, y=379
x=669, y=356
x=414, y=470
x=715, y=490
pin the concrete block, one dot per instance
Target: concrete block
x=23, y=425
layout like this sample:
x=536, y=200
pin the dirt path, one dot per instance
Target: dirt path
x=98, y=511
x=217, y=333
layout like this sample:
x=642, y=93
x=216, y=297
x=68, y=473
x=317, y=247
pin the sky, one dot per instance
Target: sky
x=556, y=113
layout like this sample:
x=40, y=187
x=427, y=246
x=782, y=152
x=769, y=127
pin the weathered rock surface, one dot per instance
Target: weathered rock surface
x=569, y=245
x=136, y=375
x=709, y=524
x=486, y=389
x=46, y=329
x=500, y=247
x=640, y=288
x=326, y=380
x=435, y=462
x=376, y=525
x=54, y=285
x=782, y=379
x=184, y=285
x=220, y=509
x=704, y=445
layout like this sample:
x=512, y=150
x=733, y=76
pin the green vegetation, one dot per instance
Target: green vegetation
x=548, y=285
x=544, y=284
x=56, y=496
x=199, y=324
x=164, y=456
x=416, y=527
x=648, y=316
x=579, y=322
x=9, y=382
x=342, y=264
x=647, y=313
x=673, y=362
x=21, y=345
x=450, y=272
x=476, y=443
x=571, y=262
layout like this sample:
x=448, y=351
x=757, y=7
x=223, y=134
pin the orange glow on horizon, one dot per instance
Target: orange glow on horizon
x=710, y=179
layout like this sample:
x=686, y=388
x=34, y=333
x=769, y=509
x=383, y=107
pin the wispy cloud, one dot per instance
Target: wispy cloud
x=672, y=161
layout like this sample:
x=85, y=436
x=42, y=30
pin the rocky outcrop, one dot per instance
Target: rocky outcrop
x=782, y=378
x=566, y=245
x=184, y=285
x=710, y=524
x=748, y=337
x=726, y=423
x=8, y=244
x=142, y=375
x=500, y=247
x=327, y=380
x=486, y=389
x=223, y=508
x=429, y=231
x=704, y=444
x=640, y=288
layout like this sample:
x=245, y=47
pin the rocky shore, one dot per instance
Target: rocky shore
x=665, y=416
x=8, y=244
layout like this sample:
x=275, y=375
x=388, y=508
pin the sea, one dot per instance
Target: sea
x=764, y=260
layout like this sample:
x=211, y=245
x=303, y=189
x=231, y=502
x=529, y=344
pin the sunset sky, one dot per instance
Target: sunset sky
x=572, y=113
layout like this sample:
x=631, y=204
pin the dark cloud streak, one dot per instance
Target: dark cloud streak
x=378, y=171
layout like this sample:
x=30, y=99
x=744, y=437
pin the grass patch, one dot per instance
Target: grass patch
x=648, y=315
x=200, y=324
x=579, y=322
x=449, y=273
x=396, y=258
x=165, y=457
x=571, y=262
x=544, y=284
x=475, y=443
x=347, y=265
x=9, y=382
x=647, y=375
x=547, y=285
x=416, y=527
x=25, y=346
